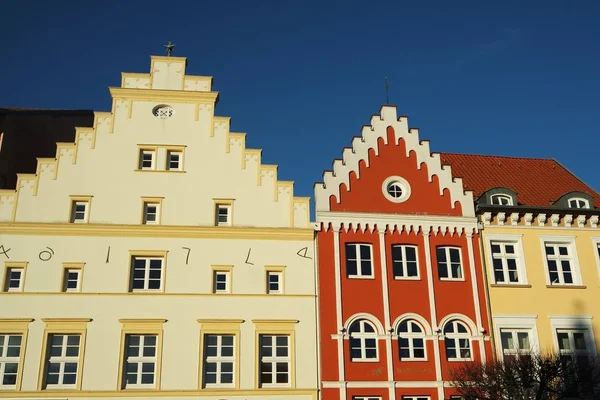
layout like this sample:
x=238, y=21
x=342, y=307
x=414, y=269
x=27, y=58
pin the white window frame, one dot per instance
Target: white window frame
x=152, y=166
x=410, y=335
x=66, y=273
x=596, y=243
x=579, y=323
x=362, y=337
x=517, y=351
x=140, y=359
x=148, y=259
x=404, y=262
x=516, y=322
x=74, y=212
x=219, y=360
x=517, y=241
x=279, y=276
x=223, y=207
x=147, y=205
x=416, y=398
x=7, y=278
x=223, y=273
x=274, y=359
x=456, y=337
x=448, y=263
x=501, y=196
x=62, y=360
x=366, y=397
x=177, y=153
x=5, y=359
x=568, y=241
x=359, y=260
x=585, y=203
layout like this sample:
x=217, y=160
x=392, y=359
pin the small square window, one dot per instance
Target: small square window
x=147, y=159
x=79, y=212
x=274, y=282
x=223, y=215
x=151, y=213
x=72, y=280
x=14, y=279
x=221, y=281
x=174, y=160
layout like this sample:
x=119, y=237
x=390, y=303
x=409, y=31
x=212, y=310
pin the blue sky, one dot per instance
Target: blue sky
x=518, y=78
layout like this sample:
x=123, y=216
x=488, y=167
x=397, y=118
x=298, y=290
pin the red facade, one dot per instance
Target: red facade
x=401, y=294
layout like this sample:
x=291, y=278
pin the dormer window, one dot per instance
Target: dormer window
x=578, y=202
x=501, y=200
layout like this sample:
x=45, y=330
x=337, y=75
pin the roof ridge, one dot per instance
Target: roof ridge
x=497, y=156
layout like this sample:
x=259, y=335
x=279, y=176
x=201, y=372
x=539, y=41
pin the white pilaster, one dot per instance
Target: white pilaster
x=434, y=321
x=386, y=311
x=473, y=270
x=338, y=307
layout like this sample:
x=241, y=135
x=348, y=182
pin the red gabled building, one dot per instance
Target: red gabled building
x=401, y=292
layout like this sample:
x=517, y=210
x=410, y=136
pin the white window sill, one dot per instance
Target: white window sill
x=566, y=286
x=458, y=359
x=173, y=171
x=361, y=277
x=410, y=278
x=275, y=385
x=413, y=359
x=365, y=360
x=139, y=387
x=514, y=285
x=452, y=279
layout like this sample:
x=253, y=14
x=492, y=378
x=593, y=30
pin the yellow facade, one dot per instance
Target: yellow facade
x=536, y=304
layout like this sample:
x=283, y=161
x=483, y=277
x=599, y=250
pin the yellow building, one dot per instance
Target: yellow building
x=540, y=244
x=157, y=256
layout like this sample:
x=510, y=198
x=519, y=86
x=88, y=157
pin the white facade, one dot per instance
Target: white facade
x=120, y=238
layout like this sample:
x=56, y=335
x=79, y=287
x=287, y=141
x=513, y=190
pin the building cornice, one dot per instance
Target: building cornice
x=165, y=231
x=395, y=221
x=164, y=95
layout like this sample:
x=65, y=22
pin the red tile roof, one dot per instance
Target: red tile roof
x=537, y=181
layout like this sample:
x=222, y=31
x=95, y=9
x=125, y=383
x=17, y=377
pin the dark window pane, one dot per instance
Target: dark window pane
x=419, y=353
x=147, y=367
x=365, y=252
x=412, y=269
x=441, y=254
x=510, y=249
x=155, y=263
x=351, y=251
x=147, y=379
x=351, y=268
x=371, y=353
x=153, y=284
x=495, y=248
x=552, y=265
x=411, y=253
x=563, y=251
x=365, y=268
x=550, y=250
x=499, y=276
x=396, y=253
x=568, y=277
x=226, y=378
x=454, y=255
x=566, y=266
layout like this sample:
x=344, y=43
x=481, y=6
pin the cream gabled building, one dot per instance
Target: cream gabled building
x=157, y=256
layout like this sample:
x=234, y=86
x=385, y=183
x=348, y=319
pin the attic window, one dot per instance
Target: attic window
x=501, y=200
x=162, y=111
x=578, y=202
x=396, y=189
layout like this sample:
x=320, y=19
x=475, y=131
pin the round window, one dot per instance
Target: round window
x=162, y=111
x=396, y=189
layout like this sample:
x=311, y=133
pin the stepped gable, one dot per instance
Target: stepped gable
x=388, y=147
x=103, y=161
x=537, y=181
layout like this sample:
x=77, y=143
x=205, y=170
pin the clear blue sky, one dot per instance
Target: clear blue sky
x=518, y=78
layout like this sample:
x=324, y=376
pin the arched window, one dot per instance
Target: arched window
x=458, y=341
x=578, y=202
x=501, y=200
x=363, y=341
x=411, y=341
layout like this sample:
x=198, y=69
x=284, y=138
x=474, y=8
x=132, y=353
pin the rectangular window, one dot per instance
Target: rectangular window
x=359, y=260
x=79, y=212
x=147, y=159
x=140, y=361
x=146, y=274
x=62, y=361
x=505, y=261
x=223, y=215
x=404, y=261
x=515, y=343
x=219, y=360
x=14, y=280
x=559, y=260
x=449, y=263
x=274, y=282
x=274, y=360
x=10, y=358
x=72, y=280
x=174, y=159
x=151, y=213
x=221, y=281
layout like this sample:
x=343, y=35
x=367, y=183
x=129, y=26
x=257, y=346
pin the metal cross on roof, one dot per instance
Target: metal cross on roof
x=169, y=46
